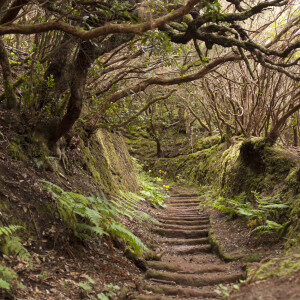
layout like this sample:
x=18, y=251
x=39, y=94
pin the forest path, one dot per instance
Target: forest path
x=188, y=269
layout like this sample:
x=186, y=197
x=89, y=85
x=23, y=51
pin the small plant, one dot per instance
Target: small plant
x=222, y=290
x=258, y=214
x=94, y=215
x=11, y=244
x=110, y=292
x=7, y=276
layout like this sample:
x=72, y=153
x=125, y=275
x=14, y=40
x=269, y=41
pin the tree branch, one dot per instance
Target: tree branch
x=99, y=31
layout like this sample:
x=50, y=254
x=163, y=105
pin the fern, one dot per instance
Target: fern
x=266, y=208
x=7, y=275
x=269, y=227
x=9, y=230
x=97, y=215
x=11, y=244
x=118, y=230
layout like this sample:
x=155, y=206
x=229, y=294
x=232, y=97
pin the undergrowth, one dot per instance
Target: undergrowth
x=11, y=245
x=263, y=214
x=150, y=188
x=95, y=214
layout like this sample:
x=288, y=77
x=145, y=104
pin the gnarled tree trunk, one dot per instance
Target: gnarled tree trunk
x=275, y=130
x=11, y=99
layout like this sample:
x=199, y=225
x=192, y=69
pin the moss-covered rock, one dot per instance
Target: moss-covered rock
x=281, y=266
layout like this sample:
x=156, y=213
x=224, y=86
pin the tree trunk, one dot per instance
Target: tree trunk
x=296, y=135
x=85, y=58
x=11, y=99
x=275, y=130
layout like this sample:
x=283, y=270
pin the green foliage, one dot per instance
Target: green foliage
x=85, y=286
x=93, y=215
x=127, y=203
x=213, y=9
x=9, y=230
x=150, y=188
x=31, y=87
x=11, y=244
x=222, y=290
x=7, y=275
x=110, y=293
x=106, y=295
x=152, y=191
x=258, y=213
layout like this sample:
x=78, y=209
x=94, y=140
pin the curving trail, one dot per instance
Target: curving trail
x=188, y=269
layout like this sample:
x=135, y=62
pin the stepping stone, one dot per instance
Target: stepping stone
x=184, y=204
x=185, y=223
x=155, y=297
x=195, y=280
x=185, y=196
x=188, y=268
x=174, y=203
x=180, y=233
x=190, y=249
x=181, y=227
x=171, y=241
x=184, y=218
x=180, y=291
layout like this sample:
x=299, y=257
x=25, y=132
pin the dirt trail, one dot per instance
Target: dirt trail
x=188, y=269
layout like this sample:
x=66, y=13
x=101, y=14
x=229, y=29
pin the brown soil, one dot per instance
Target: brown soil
x=284, y=288
x=237, y=238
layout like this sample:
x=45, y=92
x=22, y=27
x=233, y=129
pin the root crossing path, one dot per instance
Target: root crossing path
x=188, y=268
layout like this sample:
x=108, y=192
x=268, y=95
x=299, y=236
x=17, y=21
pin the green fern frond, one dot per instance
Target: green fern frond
x=9, y=230
x=99, y=215
x=118, y=230
x=7, y=275
x=14, y=246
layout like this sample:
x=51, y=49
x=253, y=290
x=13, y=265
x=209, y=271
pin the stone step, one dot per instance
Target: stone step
x=195, y=280
x=184, y=200
x=185, y=196
x=180, y=291
x=187, y=203
x=188, y=268
x=183, y=211
x=172, y=241
x=183, y=217
x=180, y=233
x=190, y=249
x=185, y=223
x=184, y=227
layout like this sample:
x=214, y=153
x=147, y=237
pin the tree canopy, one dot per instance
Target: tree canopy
x=103, y=62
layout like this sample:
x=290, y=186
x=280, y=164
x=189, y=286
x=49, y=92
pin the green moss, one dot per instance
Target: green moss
x=202, y=144
x=219, y=250
x=253, y=257
x=107, y=160
x=16, y=150
x=276, y=267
